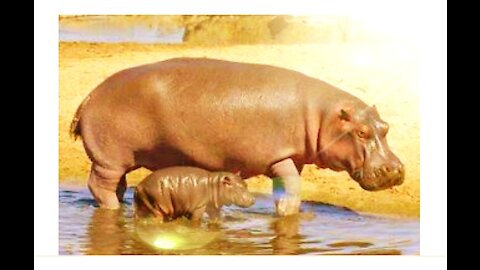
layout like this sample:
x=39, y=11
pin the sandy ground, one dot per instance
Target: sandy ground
x=381, y=74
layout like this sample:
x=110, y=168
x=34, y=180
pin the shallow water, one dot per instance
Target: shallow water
x=319, y=229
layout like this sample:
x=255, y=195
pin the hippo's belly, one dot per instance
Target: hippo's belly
x=246, y=157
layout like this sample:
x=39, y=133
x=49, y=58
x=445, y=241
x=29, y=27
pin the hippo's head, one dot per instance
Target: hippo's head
x=353, y=138
x=233, y=190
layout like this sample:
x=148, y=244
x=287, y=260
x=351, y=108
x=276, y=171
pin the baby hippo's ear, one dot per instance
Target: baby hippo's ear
x=226, y=181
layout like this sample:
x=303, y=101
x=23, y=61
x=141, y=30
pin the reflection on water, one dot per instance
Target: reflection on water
x=287, y=239
x=175, y=235
x=319, y=229
x=106, y=232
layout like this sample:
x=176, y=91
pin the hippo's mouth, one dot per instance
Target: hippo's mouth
x=366, y=181
x=367, y=177
x=376, y=179
x=357, y=174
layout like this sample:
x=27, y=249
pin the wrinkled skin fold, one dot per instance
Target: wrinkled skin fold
x=174, y=192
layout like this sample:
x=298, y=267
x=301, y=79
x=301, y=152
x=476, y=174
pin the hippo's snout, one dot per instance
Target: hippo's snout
x=398, y=175
x=395, y=172
x=382, y=177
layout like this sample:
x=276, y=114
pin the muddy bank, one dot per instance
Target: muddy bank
x=380, y=74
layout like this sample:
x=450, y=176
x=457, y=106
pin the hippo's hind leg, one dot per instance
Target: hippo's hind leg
x=122, y=185
x=121, y=188
x=106, y=186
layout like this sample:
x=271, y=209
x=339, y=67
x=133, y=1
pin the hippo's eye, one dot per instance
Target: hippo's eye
x=363, y=132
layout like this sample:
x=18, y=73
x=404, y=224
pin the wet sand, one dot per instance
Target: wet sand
x=384, y=75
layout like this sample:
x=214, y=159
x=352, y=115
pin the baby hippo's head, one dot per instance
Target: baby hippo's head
x=233, y=190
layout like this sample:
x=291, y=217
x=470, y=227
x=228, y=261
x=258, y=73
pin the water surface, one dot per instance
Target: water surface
x=319, y=229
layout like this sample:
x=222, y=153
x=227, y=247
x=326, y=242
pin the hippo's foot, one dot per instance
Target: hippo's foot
x=288, y=205
x=105, y=198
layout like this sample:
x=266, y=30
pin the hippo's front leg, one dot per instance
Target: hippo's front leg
x=286, y=187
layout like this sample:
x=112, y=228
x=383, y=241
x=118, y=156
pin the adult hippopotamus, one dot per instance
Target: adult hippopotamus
x=229, y=116
x=175, y=192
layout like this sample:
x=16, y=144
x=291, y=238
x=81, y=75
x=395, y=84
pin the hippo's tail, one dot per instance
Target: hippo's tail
x=75, y=127
x=75, y=130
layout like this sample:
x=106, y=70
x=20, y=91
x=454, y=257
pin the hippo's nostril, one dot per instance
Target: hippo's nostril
x=398, y=180
x=400, y=175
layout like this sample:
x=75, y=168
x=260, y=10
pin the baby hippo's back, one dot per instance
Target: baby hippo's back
x=172, y=192
x=174, y=176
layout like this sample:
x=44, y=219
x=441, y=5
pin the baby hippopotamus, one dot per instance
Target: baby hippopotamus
x=175, y=192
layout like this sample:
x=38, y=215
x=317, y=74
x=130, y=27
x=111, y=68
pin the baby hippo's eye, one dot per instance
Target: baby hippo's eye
x=239, y=185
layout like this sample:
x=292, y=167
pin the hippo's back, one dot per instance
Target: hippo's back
x=233, y=116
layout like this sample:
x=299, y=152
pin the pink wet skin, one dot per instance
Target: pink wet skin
x=228, y=116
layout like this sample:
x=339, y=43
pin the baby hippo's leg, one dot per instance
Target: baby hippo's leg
x=143, y=206
x=213, y=213
x=198, y=213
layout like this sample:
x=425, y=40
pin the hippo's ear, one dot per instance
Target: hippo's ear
x=374, y=111
x=344, y=115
